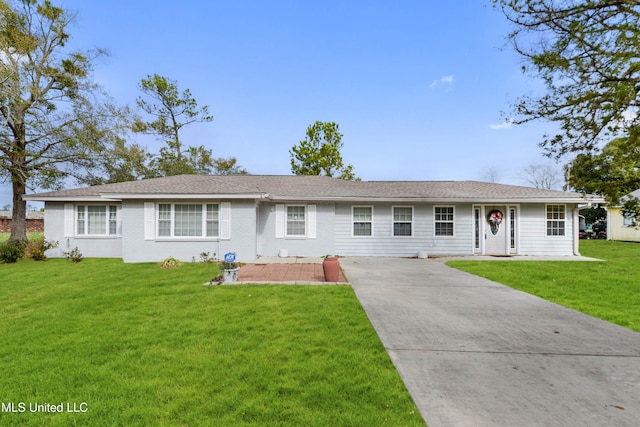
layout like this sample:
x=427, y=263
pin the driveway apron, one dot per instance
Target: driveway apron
x=473, y=352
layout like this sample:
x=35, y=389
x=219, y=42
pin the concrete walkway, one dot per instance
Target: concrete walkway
x=473, y=352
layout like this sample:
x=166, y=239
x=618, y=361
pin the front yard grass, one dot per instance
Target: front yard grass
x=609, y=290
x=30, y=236
x=139, y=345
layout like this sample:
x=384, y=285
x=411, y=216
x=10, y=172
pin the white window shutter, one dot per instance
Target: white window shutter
x=225, y=220
x=119, y=221
x=69, y=220
x=311, y=222
x=149, y=220
x=281, y=221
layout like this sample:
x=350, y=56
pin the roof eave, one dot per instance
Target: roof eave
x=449, y=200
x=43, y=198
x=180, y=196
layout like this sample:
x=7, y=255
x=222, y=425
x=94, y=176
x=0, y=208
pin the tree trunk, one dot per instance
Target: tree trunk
x=19, y=217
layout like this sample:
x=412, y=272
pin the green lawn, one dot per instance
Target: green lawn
x=30, y=236
x=139, y=345
x=608, y=290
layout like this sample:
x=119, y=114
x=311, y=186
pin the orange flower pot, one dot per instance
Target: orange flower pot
x=331, y=267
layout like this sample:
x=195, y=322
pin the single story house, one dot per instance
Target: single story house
x=184, y=216
x=620, y=227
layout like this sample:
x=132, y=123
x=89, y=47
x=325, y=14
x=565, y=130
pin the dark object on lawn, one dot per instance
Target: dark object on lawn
x=217, y=280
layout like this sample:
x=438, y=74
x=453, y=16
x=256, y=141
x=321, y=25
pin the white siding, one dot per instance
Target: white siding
x=242, y=231
x=59, y=225
x=225, y=221
x=69, y=221
x=312, y=218
x=333, y=232
x=533, y=232
x=149, y=213
x=272, y=223
x=280, y=219
x=383, y=243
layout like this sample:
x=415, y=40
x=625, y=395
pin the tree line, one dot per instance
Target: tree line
x=56, y=123
x=586, y=54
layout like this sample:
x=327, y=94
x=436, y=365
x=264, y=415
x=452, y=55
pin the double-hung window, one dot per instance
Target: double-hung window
x=188, y=220
x=403, y=221
x=556, y=220
x=443, y=220
x=362, y=221
x=296, y=221
x=96, y=220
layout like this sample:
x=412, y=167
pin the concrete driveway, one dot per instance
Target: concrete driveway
x=473, y=352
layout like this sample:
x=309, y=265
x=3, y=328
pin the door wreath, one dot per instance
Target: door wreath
x=494, y=218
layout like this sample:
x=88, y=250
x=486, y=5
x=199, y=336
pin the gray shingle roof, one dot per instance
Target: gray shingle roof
x=290, y=187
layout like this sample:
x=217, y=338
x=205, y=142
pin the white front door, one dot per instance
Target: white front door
x=496, y=230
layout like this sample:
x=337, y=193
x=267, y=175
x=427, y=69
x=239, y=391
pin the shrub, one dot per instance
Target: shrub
x=205, y=258
x=74, y=255
x=11, y=251
x=225, y=265
x=171, y=263
x=36, y=249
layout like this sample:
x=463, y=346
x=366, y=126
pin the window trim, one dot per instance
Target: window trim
x=476, y=213
x=394, y=222
x=627, y=221
x=108, y=220
x=547, y=220
x=514, y=227
x=452, y=222
x=353, y=221
x=286, y=222
x=172, y=224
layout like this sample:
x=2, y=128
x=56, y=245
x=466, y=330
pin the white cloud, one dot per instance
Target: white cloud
x=504, y=125
x=446, y=80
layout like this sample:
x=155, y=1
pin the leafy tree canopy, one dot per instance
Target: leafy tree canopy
x=172, y=110
x=614, y=173
x=53, y=122
x=119, y=163
x=586, y=52
x=319, y=153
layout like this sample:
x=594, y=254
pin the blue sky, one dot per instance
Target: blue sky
x=417, y=87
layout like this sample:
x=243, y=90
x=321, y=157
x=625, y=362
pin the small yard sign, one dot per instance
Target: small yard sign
x=230, y=257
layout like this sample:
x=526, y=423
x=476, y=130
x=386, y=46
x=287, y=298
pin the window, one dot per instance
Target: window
x=476, y=221
x=188, y=220
x=295, y=220
x=362, y=221
x=555, y=220
x=512, y=227
x=403, y=221
x=96, y=220
x=443, y=220
x=628, y=220
x=213, y=220
x=164, y=220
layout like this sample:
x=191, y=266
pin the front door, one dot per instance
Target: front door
x=496, y=230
